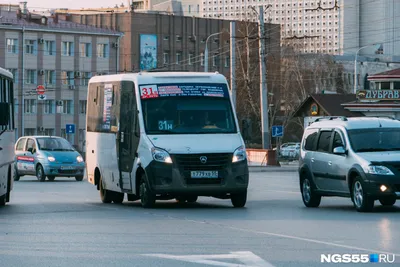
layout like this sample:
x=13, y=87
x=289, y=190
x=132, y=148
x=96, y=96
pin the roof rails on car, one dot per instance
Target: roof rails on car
x=330, y=118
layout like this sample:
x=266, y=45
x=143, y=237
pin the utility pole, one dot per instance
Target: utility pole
x=232, y=63
x=263, y=84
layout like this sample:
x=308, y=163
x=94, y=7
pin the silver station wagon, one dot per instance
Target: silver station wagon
x=47, y=156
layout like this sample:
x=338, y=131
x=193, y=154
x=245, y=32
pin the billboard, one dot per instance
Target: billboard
x=148, y=51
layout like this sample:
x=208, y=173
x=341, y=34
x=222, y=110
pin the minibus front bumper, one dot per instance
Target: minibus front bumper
x=176, y=179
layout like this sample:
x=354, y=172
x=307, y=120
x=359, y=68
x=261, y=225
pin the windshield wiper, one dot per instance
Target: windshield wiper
x=372, y=149
x=161, y=132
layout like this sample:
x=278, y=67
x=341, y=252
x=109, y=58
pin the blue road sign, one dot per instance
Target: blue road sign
x=277, y=131
x=70, y=128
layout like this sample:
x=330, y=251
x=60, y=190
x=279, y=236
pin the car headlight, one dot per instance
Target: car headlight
x=79, y=158
x=161, y=155
x=380, y=170
x=239, y=154
x=51, y=159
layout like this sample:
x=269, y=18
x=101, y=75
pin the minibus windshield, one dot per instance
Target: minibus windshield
x=187, y=109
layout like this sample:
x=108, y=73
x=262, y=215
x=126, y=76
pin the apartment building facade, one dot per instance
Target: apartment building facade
x=61, y=56
x=179, y=41
x=328, y=26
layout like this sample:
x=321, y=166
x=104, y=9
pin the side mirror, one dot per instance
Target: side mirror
x=4, y=114
x=339, y=150
x=30, y=149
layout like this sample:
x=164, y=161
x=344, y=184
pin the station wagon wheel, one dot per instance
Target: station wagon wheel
x=361, y=201
x=40, y=173
x=310, y=198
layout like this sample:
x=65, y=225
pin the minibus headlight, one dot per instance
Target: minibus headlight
x=161, y=155
x=239, y=154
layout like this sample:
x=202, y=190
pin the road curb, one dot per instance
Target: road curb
x=272, y=169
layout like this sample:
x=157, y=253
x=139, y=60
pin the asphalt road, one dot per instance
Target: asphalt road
x=64, y=223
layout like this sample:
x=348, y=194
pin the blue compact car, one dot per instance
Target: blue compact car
x=47, y=156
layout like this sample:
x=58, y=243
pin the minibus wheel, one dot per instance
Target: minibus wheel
x=239, y=199
x=147, y=198
x=105, y=195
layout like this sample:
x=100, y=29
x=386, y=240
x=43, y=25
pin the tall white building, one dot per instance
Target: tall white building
x=329, y=26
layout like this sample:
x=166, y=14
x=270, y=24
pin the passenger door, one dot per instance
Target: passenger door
x=28, y=158
x=128, y=136
x=338, y=163
x=319, y=161
x=19, y=152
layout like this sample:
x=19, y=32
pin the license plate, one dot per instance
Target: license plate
x=204, y=174
x=67, y=168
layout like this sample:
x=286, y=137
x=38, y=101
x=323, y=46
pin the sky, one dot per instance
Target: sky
x=72, y=4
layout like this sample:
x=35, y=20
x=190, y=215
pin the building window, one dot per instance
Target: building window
x=166, y=57
x=82, y=106
x=49, y=132
x=67, y=107
x=85, y=78
x=191, y=56
x=16, y=105
x=29, y=131
x=86, y=49
x=227, y=61
x=12, y=46
x=30, y=77
x=67, y=78
x=30, y=106
x=102, y=50
x=63, y=133
x=178, y=57
x=49, y=107
x=15, y=74
x=215, y=60
x=82, y=137
x=67, y=49
x=30, y=47
x=50, y=77
x=385, y=85
x=49, y=48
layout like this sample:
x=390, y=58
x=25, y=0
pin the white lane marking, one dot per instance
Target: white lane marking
x=247, y=257
x=311, y=240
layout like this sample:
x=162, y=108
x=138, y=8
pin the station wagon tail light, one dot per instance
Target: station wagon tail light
x=379, y=170
x=161, y=155
x=79, y=159
x=51, y=159
x=239, y=154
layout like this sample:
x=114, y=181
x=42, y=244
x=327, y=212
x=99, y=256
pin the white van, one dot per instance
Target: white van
x=162, y=136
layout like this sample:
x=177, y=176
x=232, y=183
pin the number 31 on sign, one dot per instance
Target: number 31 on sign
x=148, y=91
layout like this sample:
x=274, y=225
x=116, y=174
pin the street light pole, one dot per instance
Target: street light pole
x=206, y=51
x=355, y=66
